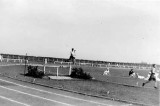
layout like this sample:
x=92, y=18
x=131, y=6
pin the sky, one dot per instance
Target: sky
x=105, y=30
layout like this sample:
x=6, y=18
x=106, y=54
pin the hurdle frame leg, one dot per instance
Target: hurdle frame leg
x=44, y=69
x=57, y=71
x=70, y=69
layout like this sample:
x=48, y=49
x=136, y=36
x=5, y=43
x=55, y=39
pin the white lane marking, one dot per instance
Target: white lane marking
x=57, y=94
x=127, y=105
x=14, y=101
x=36, y=96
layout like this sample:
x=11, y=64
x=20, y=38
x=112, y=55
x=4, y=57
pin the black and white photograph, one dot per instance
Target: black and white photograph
x=79, y=52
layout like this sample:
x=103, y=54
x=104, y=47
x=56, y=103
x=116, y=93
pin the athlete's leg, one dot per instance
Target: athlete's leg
x=155, y=85
x=146, y=82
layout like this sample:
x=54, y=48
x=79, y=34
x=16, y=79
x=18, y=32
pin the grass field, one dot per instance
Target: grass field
x=118, y=86
x=118, y=75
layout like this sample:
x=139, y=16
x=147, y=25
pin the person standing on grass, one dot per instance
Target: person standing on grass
x=152, y=76
x=72, y=55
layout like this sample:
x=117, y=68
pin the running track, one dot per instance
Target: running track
x=17, y=93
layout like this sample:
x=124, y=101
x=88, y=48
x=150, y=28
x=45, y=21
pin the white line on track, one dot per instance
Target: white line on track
x=127, y=105
x=56, y=93
x=36, y=96
x=14, y=101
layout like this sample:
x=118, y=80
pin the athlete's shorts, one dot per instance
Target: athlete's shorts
x=152, y=77
x=71, y=58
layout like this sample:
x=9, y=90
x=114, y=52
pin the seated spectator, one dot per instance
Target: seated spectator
x=131, y=72
x=106, y=72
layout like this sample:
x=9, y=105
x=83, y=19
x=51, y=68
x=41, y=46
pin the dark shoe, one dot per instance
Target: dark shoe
x=143, y=84
x=155, y=87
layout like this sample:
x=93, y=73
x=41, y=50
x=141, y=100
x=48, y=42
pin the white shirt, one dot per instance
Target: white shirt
x=73, y=53
x=153, y=70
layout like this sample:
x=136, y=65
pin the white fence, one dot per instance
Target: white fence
x=79, y=64
x=12, y=60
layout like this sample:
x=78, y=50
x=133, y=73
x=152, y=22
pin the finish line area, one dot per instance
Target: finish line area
x=17, y=93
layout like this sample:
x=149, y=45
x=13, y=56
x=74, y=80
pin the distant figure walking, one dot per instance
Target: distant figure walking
x=152, y=76
x=1, y=58
x=72, y=56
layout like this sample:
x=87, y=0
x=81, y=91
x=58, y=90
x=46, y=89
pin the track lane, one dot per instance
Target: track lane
x=30, y=99
x=50, y=94
x=4, y=101
x=74, y=99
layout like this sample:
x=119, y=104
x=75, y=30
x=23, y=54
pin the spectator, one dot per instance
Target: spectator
x=107, y=72
x=131, y=72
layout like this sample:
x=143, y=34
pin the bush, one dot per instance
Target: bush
x=33, y=71
x=79, y=73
